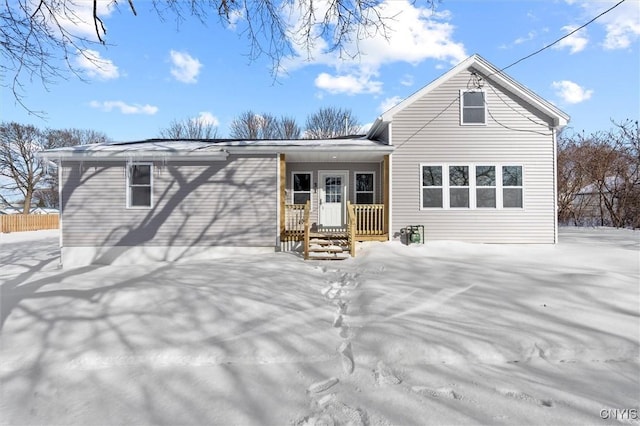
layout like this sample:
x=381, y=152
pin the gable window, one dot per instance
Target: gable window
x=139, y=185
x=459, y=186
x=364, y=187
x=301, y=187
x=472, y=107
x=432, y=186
x=486, y=186
x=512, y=186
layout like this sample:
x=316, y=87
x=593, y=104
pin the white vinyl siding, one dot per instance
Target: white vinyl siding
x=231, y=203
x=443, y=141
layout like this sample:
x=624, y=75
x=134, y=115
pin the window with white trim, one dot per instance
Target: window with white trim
x=469, y=186
x=432, y=187
x=459, y=186
x=140, y=185
x=473, y=109
x=486, y=186
x=301, y=187
x=364, y=187
x=512, y=187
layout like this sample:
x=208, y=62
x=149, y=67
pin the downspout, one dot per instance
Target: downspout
x=61, y=241
x=555, y=185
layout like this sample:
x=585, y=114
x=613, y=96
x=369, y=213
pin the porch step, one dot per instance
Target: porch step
x=328, y=246
x=328, y=256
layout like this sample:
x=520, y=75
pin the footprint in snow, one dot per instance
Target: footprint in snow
x=437, y=393
x=525, y=397
x=384, y=375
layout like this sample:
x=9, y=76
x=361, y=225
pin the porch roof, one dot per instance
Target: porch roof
x=356, y=148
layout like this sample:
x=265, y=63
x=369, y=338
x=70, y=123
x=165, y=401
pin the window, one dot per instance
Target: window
x=364, y=187
x=301, y=188
x=432, y=186
x=472, y=107
x=485, y=186
x=459, y=186
x=139, y=185
x=512, y=186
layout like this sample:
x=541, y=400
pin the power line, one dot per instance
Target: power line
x=559, y=40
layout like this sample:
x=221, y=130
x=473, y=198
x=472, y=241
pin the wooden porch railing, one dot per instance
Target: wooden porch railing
x=369, y=219
x=351, y=228
x=307, y=228
x=365, y=222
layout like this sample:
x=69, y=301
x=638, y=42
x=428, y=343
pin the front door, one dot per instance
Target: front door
x=332, y=199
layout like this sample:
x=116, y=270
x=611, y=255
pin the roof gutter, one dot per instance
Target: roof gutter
x=57, y=156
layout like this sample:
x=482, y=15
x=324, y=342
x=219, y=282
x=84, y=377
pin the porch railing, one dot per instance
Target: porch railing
x=351, y=228
x=307, y=228
x=369, y=219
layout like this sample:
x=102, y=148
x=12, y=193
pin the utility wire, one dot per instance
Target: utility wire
x=560, y=39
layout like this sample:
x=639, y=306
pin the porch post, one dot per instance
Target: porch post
x=282, y=184
x=385, y=192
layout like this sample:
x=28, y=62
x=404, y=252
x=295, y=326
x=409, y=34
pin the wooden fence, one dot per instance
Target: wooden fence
x=28, y=222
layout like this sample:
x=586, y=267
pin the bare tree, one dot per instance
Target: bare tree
x=331, y=122
x=288, y=128
x=25, y=177
x=599, y=177
x=190, y=128
x=250, y=125
x=21, y=169
x=37, y=35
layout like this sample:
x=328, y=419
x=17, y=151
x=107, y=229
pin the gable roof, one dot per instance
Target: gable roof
x=560, y=119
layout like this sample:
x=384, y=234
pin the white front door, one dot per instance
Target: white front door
x=332, y=199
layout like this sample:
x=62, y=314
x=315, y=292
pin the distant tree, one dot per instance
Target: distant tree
x=599, y=177
x=331, y=122
x=38, y=35
x=26, y=177
x=250, y=125
x=190, y=128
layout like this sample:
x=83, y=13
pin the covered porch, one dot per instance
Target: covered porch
x=329, y=202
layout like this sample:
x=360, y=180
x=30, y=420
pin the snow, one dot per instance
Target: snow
x=441, y=333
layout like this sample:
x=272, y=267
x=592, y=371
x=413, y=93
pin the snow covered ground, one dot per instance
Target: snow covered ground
x=445, y=333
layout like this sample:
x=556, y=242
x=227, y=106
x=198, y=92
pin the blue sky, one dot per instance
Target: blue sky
x=156, y=71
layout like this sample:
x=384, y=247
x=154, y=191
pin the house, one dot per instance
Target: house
x=471, y=157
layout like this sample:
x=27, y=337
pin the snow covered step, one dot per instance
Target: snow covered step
x=328, y=256
x=330, y=249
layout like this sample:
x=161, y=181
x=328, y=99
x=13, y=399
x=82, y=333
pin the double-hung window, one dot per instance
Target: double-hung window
x=140, y=185
x=486, y=186
x=432, y=186
x=459, y=186
x=512, y=186
x=301, y=187
x=473, y=110
x=364, y=187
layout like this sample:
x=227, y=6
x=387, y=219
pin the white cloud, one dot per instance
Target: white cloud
x=571, y=92
x=622, y=24
x=208, y=119
x=185, y=67
x=389, y=103
x=407, y=80
x=124, y=108
x=96, y=66
x=76, y=18
x=413, y=35
x=575, y=42
x=349, y=84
